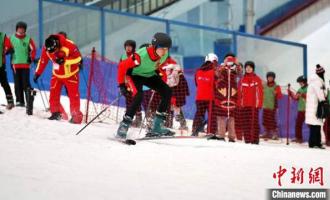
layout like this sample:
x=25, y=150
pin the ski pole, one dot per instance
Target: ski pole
x=115, y=100
x=41, y=95
x=287, y=117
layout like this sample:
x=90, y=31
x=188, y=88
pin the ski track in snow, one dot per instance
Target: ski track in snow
x=42, y=159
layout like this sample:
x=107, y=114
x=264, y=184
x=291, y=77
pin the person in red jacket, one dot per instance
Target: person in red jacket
x=66, y=60
x=129, y=47
x=4, y=49
x=250, y=97
x=179, y=86
x=204, y=80
x=23, y=54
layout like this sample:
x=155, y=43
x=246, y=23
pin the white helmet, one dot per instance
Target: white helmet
x=211, y=57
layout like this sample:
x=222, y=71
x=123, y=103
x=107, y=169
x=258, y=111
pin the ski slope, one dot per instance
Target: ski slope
x=42, y=159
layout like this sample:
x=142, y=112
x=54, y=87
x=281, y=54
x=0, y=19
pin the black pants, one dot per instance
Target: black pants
x=5, y=84
x=22, y=82
x=314, y=136
x=155, y=83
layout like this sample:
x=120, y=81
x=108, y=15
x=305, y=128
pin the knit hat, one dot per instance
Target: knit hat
x=161, y=40
x=249, y=63
x=319, y=69
x=271, y=74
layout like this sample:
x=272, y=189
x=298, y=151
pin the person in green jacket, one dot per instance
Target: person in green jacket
x=23, y=54
x=272, y=93
x=300, y=96
x=144, y=63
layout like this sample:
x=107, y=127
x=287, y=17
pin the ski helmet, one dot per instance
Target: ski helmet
x=52, y=43
x=161, y=40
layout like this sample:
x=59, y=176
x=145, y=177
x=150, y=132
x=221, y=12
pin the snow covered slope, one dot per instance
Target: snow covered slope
x=42, y=159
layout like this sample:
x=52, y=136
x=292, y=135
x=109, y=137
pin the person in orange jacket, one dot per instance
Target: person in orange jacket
x=66, y=60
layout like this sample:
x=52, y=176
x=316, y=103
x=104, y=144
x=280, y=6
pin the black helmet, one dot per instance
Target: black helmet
x=21, y=25
x=131, y=43
x=302, y=79
x=52, y=43
x=271, y=74
x=161, y=40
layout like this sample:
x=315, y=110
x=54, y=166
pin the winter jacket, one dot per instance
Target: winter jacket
x=226, y=89
x=5, y=44
x=315, y=93
x=204, y=79
x=144, y=63
x=250, y=91
x=69, y=52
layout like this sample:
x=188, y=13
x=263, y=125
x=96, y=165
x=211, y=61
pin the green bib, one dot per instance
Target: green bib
x=301, y=100
x=2, y=38
x=147, y=67
x=269, y=97
x=163, y=59
x=21, y=49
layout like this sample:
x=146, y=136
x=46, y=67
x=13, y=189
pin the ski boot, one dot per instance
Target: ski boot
x=123, y=127
x=29, y=94
x=76, y=118
x=55, y=116
x=158, y=128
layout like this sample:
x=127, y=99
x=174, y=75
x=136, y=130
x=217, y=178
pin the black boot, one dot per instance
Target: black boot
x=55, y=116
x=10, y=102
x=29, y=93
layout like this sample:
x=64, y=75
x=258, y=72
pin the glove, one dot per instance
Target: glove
x=123, y=89
x=35, y=78
x=59, y=61
x=10, y=51
x=81, y=65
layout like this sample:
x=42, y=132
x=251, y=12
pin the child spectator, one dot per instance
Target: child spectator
x=204, y=80
x=300, y=96
x=250, y=96
x=272, y=93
